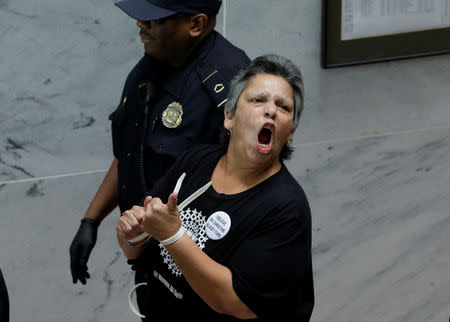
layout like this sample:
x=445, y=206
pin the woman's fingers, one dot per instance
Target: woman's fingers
x=172, y=203
x=130, y=222
x=147, y=201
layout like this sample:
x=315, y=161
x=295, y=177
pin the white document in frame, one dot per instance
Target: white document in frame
x=372, y=18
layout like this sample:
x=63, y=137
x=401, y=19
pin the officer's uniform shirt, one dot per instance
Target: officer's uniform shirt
x=188, y=110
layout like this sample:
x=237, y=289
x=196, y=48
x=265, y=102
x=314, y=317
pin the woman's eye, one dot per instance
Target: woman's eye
x=283, y=107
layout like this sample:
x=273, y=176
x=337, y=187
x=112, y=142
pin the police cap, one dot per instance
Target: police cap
x=146, y=10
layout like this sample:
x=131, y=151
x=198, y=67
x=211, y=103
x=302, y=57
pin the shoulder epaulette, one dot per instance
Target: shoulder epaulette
x=215, y=84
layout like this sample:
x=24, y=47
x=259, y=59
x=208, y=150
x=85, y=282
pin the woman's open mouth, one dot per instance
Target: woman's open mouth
x=265, y=136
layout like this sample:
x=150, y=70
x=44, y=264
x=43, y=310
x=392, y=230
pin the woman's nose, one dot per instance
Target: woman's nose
x=270, y=109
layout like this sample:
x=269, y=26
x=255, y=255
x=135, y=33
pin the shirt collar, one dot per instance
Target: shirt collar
x=177, y=79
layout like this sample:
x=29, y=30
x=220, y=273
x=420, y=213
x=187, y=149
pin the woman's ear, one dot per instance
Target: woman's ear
x=198, y=24
x=228, y=120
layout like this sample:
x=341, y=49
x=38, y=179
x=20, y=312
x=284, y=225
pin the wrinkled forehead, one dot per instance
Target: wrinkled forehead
x=269, y=85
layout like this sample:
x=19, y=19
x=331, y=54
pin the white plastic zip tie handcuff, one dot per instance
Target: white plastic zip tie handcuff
x=186, y=202
x=177, y=189
x=130, y=300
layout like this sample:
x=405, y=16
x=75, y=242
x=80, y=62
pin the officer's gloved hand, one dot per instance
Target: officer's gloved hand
x=81, y=247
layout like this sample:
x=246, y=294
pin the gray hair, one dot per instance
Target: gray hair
x=274, y=65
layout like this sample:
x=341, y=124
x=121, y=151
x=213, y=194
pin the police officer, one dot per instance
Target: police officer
x=172, y=100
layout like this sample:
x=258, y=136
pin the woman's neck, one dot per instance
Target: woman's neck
x=232, y=175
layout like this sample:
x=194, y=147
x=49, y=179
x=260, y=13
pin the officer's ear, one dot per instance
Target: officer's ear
x=199, y=23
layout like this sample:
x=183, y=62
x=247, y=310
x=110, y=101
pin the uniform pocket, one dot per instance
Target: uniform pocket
x=119, y=115
x=172, y=146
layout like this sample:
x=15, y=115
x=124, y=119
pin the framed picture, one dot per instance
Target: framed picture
x=366, y=31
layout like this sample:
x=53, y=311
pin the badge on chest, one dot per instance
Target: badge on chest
x=172, y=115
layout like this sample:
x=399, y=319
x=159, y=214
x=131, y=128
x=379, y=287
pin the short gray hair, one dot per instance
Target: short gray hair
x=274, y=65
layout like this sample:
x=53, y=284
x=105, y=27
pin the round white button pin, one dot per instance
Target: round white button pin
x=218, y=225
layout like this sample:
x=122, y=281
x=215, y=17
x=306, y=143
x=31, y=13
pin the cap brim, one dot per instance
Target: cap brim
x=143, y=10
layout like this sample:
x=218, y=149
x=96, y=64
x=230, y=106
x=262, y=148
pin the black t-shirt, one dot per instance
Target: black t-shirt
x=263, y=235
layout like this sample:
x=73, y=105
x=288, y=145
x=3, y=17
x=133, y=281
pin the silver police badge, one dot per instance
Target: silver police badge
x=172, y=115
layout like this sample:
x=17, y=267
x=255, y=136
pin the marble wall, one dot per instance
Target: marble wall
x=372, y=153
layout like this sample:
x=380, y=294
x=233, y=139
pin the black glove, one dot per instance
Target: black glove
x=81, y=248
